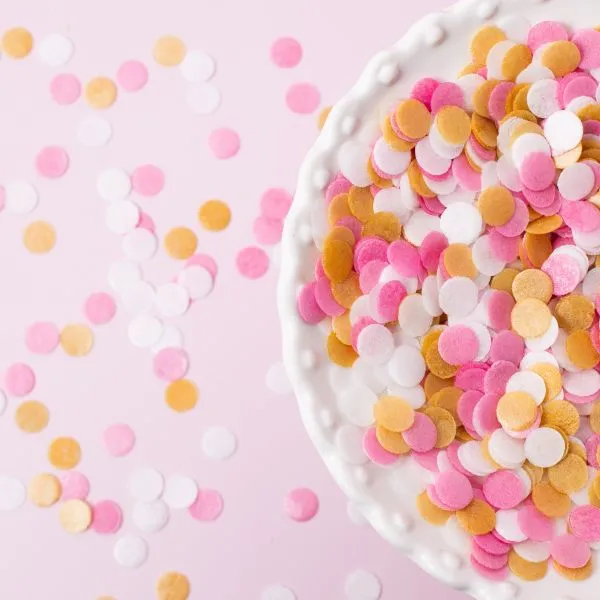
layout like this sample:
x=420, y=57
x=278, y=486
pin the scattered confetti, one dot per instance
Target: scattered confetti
x=214, y=215
x=150, y=517
x=170, y=364
x=39, y=237
x=75, y=486
x=55, y=50
x=132, y=75
x=20, y=197
x=169, y=51
x=44, y=490
x=278, y=592
x=100, y=308
x=148, y=180
x=203, y=98
x=180, y=491
x=19, y=380
x=252, y=262
x=130, y=551
x=32, y=416
x=107, y=517
x=303, y=98
x=208, y=505
x=224, y=142
x=286, y=52
x=64, y=453
x=12, y=493
x=113, y=184
x=301, y=504
x=219, y=443
x=65, y=89
x=119, y=440
x=52, y=162
x=172, y=586
x=76, y=340
x=100, y=92
x=75, y=516
x=362, y=585
x=180, y=243
x=197, y=66
x=17, y=43
x=94, y=131
x=181, y=395
x=146, y=484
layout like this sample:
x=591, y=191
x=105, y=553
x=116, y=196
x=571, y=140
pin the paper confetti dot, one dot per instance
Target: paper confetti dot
x=208, y=505
x=52, y=162
x=39, y=237
x=21, y=197
x=172, y=299
x=94, y=131
x=171, y=338
x=100, y=92
x=151, y=517
x=122, y=274
x=301, y=504
x=75, y=486
x=362, y=585
x=277, y=592
x=19, y=379
x=169, y=51
x=65, y=89
x=144, y=331
x=55, y=50
x=214, y=215
x=132, y=75
x=76, y=340
x=113, y=184
x=275, y=203
x=203, y=98
x=148, y=180
x=107, y=517
x=172, y=586
x=286, y=52
x=252, y=262
x=277, y=380
x=303, y=98
x=32, y=416
x=197, y=280
x=146, y=484
x=119, y=440
x=130, y=551
x=219, y=443
x=44, y=490
x=139, y=244
x=170, y=364
x=181, y=395
x=64, y=453
x=180, y=491
x=17, y=43
x=100, y=308
x=75, y=516
x=224, y=142
x=197, y=66
x=267, y=231
x=180, y=243
x=12, y=493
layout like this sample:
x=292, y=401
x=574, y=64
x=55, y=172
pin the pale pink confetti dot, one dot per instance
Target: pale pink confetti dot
x=146, y=222
x=584, y=523
x=148, y=180
x=19, y=379
x=491, y=574
x=119, y=439
x=132, y=75
x=267, y=231
x=545, y=32
x=100, y=308
x=503, y=489
x=421, y=437
x=564, y=272
x=107, y=517
x=375, y=451
x=170, y=364
x=301, y=504
x=75, y=486
x=302, y=98
x=570, y=552
x=204, y=260
x=42, y=337
x=252, y=262
x=458, y=345
x=224, y=142
x=65, y=89
x=52, y=162
x=454, y=489
x=286, y=52
x=275, y=203
x=208, y=505
x=307, y=304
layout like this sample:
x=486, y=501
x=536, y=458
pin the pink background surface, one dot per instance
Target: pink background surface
x=232, y=336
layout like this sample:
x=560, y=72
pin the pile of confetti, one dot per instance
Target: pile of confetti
x=460, y=278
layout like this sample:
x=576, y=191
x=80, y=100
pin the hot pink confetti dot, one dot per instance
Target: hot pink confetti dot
x=224, y=142
x=42, y=337
x=570, y=551
x=303, y=98
x=65, y=89
x=119, y=439
x=100, y=308
x=19, y=379
x=286, y=52
x=148, y=180
x=301, y=504
x=171, y=364
x=208, y=505
x=132, y=75
x=252, y=262
x=275, y=203
x=107, y=517
x=75, y=486
x=52, y=162
x=375, y=451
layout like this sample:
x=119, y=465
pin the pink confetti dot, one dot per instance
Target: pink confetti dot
x=171, y=364
x=75, y=486
x=204, y=260
x=148, y=180
x=119, y=439
x=303, y=98
x=42, y=337
x=107, y=517
x=570, y=551
x=275, y=203
x=146, y=222
x=208, y=505
x=375, y=451
x=286, y=52
x=252, y=262
x=132, y=75
x=308, y=307
x=100, y=308
x=267, y=231
x=65, y=89
x=301, y=504
x=19, y=379
x=52, y=162
x=224, y=142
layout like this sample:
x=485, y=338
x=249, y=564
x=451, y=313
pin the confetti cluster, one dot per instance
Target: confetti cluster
x=460, y=279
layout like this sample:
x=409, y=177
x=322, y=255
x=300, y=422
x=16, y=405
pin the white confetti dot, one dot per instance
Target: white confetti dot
x=131, y=551
x=544, y=447
x=139, y=244
x=362, y=585
x=113, y=184
x=146, y=484
x=204, y=98
x=352, y=157
x=122, y=216
x=145, y=331
x=55, y=50
x=12, y=493
x=277, y=380
x=458, y=297
x=197, y=280
x=171, y=338
x=138, y=297
x=197, y=66
x=461, y=223
x=151, y=517
x=407, y=366
x=94, y=131
x=180, y=491
x=21, y=197
x=122, y=274
x=278, y=592
x=172, y=299
x=219, y=443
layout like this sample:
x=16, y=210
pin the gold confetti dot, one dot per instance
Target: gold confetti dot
x=64, y=453
x=581, y=351
x=180, y=243
x=76, y=340
x=392, y=140
x=32, y=416
x=534, y=472
x=454, y=125
x=568, y=158
x=574, y=312
x=552, y=378
x=530, y=318
x=214, y=215
x=384, y=225
x=481, y=98
x=519, y=101
x=173, y=586
x=339, y=232
x=434, y=384
x=485, y=131
x=44, y=490
x=577, y=449
x=394, y=414
x=538, y=248
x=580, y=574
x=458, y=261
x=496, y=205
x=346, y=292
x=445, y=425
x=516, y=60
x=339, y=353
x=516, y=411
x=549, y=501
x=525, y=570
x=431, y=338
x=100, y=92
x=478, y=518
x=504, y=280
x=391, y=441
x=338, y=209
x=532, y=283
x=570, y=475
x=413, y=119
x=430, y=512
x=483, y=41
x=337, y=260
x=595, y=418
x=447, y=398
x=342, y=328
x=417, y=182
x=562, y=415
x=360, y=203
x=39, y=237
x=75, y=516
x=376, y=179
x=169, y=51
x=437, y=365
x=181, y=395
x=17, y=42
x=561, y=57
x=322, y=118
x=545, y=225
